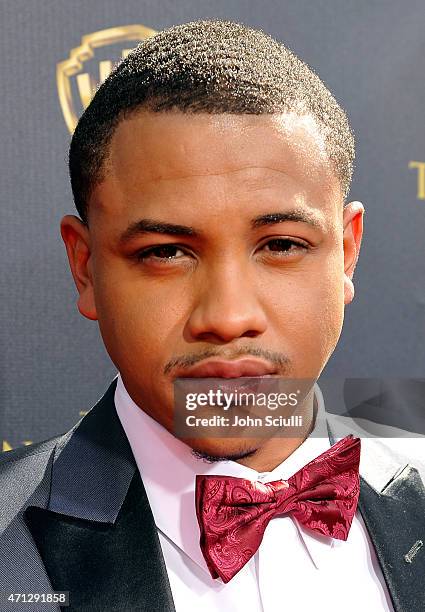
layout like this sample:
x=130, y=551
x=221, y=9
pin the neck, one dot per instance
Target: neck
x=263, y=454
x=276, y=449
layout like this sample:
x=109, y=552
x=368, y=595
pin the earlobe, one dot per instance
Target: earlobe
x=76, y=237
x=348, y=290
x=352, y=238
x=86, y=304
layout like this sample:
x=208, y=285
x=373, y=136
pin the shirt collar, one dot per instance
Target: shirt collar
x=168, y=468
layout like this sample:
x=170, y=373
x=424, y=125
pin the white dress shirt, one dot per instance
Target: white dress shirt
x=294, y=567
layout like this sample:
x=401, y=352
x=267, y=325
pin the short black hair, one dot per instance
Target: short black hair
x=211, y=67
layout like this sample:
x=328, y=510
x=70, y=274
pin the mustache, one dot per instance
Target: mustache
x=280, y=360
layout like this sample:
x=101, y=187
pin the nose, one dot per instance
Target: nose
x=227, y=307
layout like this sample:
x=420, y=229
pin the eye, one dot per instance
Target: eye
x=161, y=253
x=285, y=247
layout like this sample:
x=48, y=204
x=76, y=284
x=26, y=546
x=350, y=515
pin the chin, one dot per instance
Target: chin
x=223, y=449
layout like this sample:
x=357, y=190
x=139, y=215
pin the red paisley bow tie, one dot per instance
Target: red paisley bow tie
x=233, y=513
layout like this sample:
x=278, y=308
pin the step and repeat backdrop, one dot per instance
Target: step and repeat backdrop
x=54, y=53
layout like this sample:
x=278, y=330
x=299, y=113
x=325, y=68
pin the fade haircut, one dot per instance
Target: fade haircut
x=205, y=67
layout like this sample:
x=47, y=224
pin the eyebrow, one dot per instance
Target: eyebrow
x=300, y=216
x=151, y=226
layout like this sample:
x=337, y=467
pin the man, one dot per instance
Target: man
x=210, y=173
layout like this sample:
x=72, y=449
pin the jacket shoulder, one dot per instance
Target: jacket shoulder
x=22, y=472
x=23, y=452
x=384, y=448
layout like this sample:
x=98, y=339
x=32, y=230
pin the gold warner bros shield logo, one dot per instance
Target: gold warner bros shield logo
x=89, y=64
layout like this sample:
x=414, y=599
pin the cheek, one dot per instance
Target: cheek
x=139, y=325
x=331, y=316
x=328, y=309
x=307, y=311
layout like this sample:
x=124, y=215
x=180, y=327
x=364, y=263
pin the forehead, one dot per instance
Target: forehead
x=164, y=155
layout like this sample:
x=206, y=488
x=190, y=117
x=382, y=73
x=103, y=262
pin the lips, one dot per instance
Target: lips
x=215, y=368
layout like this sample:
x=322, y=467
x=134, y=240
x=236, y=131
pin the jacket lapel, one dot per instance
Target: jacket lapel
x=392, y=504
x=395, y=519
x=97, y=537
x=21, y=568
x=88, y=521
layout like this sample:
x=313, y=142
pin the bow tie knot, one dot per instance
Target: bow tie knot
x=233, y=513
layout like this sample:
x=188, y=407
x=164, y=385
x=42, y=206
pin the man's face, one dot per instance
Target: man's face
x=214, y=236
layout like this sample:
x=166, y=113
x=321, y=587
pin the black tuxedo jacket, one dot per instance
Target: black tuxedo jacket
x=74, y=516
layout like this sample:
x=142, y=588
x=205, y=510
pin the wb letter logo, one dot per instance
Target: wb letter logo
x=89, y=64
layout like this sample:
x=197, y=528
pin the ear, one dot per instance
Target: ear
x=352, y=238
x=76, y=237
